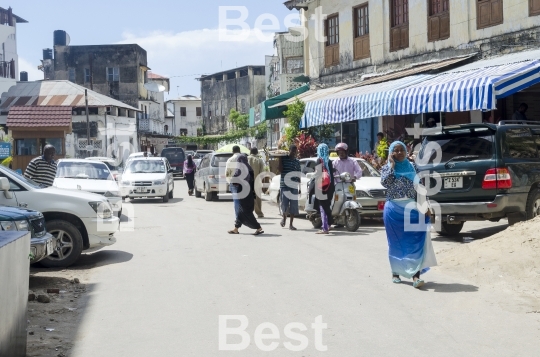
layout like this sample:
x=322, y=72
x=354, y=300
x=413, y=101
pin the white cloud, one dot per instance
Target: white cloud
x=192, y=53
x=34, y=74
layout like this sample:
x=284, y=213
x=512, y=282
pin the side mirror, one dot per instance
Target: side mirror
x=4, y=184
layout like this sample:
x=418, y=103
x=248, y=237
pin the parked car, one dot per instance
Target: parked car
x=199, y=154
x=176, y=157
x=148, y=177
x=90, y=176
x=113, y=165
x=209, y=179
x=488, y=172
x=77, y=219
x=20, y=219
x=370, y=194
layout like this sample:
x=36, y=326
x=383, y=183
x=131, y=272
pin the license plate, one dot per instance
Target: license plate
x=140, y=189
x=453, y=182
x=50, y=247
x=352, y=190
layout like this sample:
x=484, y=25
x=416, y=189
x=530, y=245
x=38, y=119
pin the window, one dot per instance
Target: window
x=438, y=20
x=489, y=13
x=71, y=74
x=399, y=21
x=26, y=147
x=243, y=105
x=58, y=144
x=87, y=78
x=331, y=31
x=361, y=32
x=534, y=7
x=183, y=132
x=166, y=128
x=520, y=144
x=183, y=111
x=198, y=110
x=113, y=74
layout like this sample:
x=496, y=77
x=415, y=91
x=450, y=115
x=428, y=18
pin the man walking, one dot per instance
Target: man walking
x=230, y=169
x=290, y=181
x=257, y=164
x=42, y=169
x=520, y=113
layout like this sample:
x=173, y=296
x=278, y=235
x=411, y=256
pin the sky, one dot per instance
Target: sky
x=182, y=38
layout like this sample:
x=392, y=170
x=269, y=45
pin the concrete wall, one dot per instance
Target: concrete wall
x=130, y=59
x=14, y=273
x=519, y=31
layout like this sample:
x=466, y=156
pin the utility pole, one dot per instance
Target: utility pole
x=87, y=122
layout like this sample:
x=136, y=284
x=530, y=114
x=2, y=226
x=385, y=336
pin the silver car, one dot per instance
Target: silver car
x=209, y=179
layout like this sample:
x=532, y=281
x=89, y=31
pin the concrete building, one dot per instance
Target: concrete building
x=359, y=42
x=240, y=89
x=9, y=60
x=187, y=116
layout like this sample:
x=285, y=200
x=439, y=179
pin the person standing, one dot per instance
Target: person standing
x=410, y=250
x=230, y=170
x=520, y=113
x=257, y=164
x=324, y=187
x=381, y=147
x=42, y=169
x=189, y=173
x=289, y=186
x=244, y=215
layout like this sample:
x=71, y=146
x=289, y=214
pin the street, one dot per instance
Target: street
x=160, y=291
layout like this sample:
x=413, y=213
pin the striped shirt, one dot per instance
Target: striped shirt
x=41, y=171
x=290, y=165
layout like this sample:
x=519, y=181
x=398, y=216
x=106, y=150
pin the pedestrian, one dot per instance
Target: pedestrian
x=189, y=173
x=289, y=186
x=520, y=113
x=257, y=164
x=324, y=187
x=42, y=169
x=410, y=250
x=381, y=149
x=245, y=188
x=230, y=170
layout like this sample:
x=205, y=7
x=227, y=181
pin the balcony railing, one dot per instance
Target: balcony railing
x=7, y=69
x=6, y=17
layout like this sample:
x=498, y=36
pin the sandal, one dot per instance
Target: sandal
x=292, y=228
x=396, y=280
x=418, y=283
x=258, y=233
x=322, y=232
x=282, y=223
x=233, y=232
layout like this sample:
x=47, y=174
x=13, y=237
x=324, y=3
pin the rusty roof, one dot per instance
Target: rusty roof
x=152, y=75
x=37, y=117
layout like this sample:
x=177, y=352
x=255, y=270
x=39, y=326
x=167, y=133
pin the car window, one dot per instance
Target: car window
x=478, y=144
x=519, y=143
x=367, y=170
x=83, y=171
x=13, y=186
x=175, y=156
x=221, y=159
x=307, y=167
x=146, y=166
x=205, y=162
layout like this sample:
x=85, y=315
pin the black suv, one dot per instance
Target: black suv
x=488, y=172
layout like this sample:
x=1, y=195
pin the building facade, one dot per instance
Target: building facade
x=240, y=89
x=9, y=60
x=187, y=116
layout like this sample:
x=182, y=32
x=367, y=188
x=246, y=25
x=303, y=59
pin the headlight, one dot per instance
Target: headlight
x=126, y=183
x=345, y=176
x=8, y=225
x=159, y=182
x=22, y=225
x=112, y=194
x=360, y=193
x=103, y=209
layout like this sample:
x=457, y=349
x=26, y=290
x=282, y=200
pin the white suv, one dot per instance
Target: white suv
x=148, y=177
x=79, y=220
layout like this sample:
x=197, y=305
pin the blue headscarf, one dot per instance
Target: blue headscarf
x=324, y=153
x=403, y=168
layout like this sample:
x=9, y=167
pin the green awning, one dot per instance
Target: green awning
x=263, y=112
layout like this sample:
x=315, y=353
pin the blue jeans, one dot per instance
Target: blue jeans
x=236, y=200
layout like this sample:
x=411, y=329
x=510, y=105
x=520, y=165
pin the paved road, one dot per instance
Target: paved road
x=161, y=289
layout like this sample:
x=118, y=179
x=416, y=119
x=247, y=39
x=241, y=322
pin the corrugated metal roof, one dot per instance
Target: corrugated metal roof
x=35, y=116
x=500, y=60
x=152, y=75
x=56, y=93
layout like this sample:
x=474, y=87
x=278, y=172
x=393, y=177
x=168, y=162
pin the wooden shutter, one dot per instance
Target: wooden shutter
x=328, y=56
x=434, y=32
x=496, y=12
x=534, y=7
x=483, y=15
x=336, y=55
x=489, y=13
x=445, y=26
x=404, y=37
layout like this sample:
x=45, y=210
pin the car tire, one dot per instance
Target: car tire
x=166, y=197
x=69, y=235
x=208, y=196
x=120, y=214
x=450, y=229
x=197, y=192
x=533, y=204
x=317, y=222
x=171, y=193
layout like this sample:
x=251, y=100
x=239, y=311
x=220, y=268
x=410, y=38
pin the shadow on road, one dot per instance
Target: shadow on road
x=154, y=200
x=449, y=288
x=474, y=234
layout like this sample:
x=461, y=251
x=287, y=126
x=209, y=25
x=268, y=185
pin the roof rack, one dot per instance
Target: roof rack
x=520, y=122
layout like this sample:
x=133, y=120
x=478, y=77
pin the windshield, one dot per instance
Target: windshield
x=368, y=170
x=83, y=171
x=477, y=145
x=146, y=167
x=175, y=156
x=111, y=166
x=217, y=160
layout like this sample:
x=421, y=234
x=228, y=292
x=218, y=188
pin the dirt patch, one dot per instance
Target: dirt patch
x=52, y=326
x=509, y=260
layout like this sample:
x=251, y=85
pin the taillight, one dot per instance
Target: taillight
x=497, y=178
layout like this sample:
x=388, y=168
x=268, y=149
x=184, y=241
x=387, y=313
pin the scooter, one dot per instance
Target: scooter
x=345, y=209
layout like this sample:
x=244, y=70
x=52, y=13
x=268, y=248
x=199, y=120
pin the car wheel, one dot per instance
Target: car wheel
x=317, y=222
x=533, y=204
x=450, y=229
x=352, y=221
x=120, y=214
x=69, y=244
x=197, y=192
x=209, y=196
x=171, y=194
x=166, y=197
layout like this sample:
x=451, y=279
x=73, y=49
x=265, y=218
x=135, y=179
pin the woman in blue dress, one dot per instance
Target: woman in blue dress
x=409, y=240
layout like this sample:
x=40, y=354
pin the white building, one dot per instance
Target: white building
x=9, y=61
x=187, y=115
x=154, y=104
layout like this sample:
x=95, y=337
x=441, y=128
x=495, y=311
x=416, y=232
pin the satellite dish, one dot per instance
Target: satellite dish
x=154, y=87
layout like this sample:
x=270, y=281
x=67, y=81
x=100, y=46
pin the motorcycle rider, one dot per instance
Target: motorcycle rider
x=346, y=164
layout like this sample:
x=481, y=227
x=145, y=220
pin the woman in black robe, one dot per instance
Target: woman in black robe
x=245, y=214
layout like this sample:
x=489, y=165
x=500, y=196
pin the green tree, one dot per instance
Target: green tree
x=294, y=114
x=238, y=120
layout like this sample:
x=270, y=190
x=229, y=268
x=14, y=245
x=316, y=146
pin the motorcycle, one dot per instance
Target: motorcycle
x=345, y=209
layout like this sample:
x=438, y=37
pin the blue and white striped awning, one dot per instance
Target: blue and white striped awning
x=362, y=102
x=476, y=89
